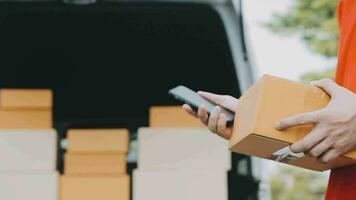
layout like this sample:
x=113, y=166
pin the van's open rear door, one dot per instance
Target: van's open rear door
x=108, y=62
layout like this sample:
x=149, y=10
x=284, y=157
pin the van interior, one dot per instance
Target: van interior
x=107, y=63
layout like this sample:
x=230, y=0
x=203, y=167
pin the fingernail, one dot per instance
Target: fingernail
x=278, y=125
x=218, y=109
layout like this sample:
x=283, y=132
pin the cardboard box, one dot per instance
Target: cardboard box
x=31, y=186
x=182, y=148
x=268, y=101
x=25, y=119
x=89, y=164
x=95, y=188
x=180, y=185
x=26, y=99
x=172, y=116
x=98, y=140
x=28, y=150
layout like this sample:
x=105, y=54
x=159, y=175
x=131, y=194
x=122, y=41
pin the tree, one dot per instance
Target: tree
x=296, y=184
x=315, y=21
x=312, y=76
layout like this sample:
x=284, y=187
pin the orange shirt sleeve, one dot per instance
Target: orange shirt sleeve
x=346, y=69
x=340, y=71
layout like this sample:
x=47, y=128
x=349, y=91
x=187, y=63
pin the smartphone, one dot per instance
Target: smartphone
x=192, y=98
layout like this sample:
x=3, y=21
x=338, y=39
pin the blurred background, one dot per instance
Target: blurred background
x=108, y=62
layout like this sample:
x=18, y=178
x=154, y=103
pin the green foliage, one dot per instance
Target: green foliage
x=296, y=184
x=315, y=21
x=312, y=76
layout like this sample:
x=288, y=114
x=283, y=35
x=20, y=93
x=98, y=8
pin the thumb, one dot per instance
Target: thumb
x=328, y=86
x=225, y=101
x=215, y=98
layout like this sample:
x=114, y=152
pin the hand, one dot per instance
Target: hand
x=335, y=126
x=217, y=120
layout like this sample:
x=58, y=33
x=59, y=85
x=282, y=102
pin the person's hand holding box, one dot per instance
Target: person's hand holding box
x=335, y=126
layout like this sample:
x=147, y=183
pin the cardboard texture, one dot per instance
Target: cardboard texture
x=25, y=119
x=28, y=150
x=34, y=186
x=180, y=184
x=179, y=148
x=98, y=140
x=172, y=116
x=91, y=164
x=268, y=101
x=95, y=188
x=26, y=99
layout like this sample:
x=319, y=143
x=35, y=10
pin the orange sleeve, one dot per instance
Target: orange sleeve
x=340, y=70
x=339, y=12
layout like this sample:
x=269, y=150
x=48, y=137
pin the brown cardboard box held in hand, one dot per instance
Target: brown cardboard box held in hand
x=268, y=101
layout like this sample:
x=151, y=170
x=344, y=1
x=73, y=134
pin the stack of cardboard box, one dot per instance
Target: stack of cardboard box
x=25, y=109
x=28, y=145
x=180, y=162
x=95, y=165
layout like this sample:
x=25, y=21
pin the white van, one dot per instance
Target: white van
x=108, y=61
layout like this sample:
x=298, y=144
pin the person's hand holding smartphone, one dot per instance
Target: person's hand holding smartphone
x=216, y=121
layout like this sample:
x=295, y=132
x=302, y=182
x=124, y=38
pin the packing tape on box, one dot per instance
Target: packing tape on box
x=286, y=154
